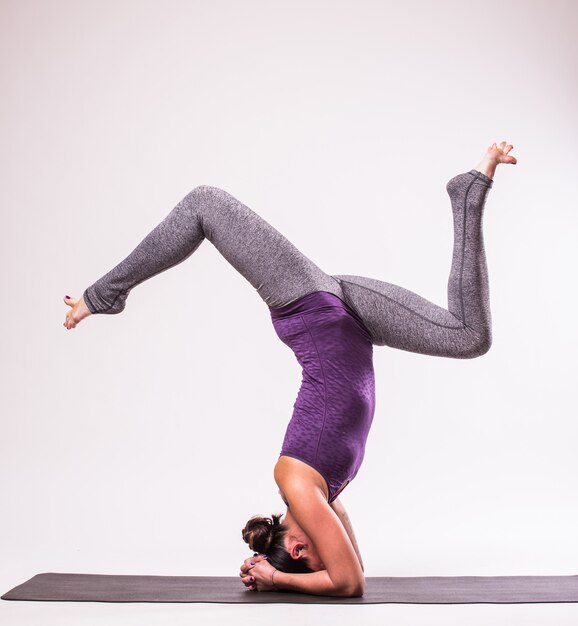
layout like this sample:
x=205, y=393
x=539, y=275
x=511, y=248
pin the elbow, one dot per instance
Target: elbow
x=354, y=590
x=357, y=591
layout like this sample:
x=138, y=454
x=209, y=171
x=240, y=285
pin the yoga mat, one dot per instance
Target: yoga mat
x=228, y=589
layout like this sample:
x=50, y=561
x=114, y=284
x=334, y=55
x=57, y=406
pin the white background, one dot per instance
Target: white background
x=141, y=443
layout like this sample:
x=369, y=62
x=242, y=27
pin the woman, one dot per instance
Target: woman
x=331, y=323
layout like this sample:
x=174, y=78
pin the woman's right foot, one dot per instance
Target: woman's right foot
x=77, y=313
x=494, y=156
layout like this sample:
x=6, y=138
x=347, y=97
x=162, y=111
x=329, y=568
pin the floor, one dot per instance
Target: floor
x=17, y=613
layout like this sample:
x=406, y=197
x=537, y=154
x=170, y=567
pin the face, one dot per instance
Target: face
x=299, y=545
x=313, y=558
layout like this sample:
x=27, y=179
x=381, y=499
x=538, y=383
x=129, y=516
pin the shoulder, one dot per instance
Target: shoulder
x=294, y=475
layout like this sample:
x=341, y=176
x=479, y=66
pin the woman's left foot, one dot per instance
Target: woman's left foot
x=494, y=156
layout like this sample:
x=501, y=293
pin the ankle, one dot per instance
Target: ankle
x=487, y=166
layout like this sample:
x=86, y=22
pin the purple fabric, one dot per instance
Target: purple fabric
x=336, y=401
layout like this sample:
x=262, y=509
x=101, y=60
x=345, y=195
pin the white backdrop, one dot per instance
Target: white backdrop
x=142, y=442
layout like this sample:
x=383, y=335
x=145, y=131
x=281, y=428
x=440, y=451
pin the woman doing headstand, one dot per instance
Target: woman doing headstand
x=331, y=323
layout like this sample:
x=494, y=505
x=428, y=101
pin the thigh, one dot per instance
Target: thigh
x=399, y=318
x=275, y=267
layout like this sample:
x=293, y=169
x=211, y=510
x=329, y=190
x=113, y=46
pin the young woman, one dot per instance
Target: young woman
x=331, y=323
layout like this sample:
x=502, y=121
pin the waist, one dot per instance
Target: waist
x=314, y=301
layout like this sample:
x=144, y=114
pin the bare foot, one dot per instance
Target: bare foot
x=494, y=156
x=77, y=313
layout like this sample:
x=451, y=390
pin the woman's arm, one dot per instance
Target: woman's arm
x=339, y=509
x=343, y=575
x=259, y=575
x=316, y=583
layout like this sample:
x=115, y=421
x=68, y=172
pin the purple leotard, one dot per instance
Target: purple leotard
x=336, y=401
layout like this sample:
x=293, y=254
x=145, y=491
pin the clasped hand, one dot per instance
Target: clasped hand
x=257, y=573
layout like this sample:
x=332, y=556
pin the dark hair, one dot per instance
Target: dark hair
x=265, y=535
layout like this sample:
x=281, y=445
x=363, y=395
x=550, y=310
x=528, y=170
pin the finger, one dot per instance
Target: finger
x=248, y=563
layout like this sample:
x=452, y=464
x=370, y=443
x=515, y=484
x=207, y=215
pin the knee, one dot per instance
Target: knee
x=204, y=191
x=199, y=192
x=480, y=346
x=196, y=198
x=204, y=194
x=484, y=345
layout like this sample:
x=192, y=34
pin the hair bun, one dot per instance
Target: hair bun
x=259, y=532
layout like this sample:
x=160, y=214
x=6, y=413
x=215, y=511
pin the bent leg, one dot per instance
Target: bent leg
x=399, y=318
x=269, y=261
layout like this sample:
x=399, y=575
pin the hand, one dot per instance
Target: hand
x=257, y=573
x=247, y=578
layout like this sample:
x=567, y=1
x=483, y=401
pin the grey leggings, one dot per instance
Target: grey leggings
x=280, y=273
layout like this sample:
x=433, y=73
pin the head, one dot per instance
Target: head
x=287, y=547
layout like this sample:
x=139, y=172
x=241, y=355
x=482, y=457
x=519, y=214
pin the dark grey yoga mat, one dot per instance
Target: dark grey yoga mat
x=229, y=589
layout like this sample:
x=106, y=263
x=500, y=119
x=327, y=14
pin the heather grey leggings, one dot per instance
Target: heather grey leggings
x=280, y=273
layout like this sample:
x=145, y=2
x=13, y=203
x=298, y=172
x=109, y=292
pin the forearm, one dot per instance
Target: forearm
x=316, y=583
x=344, y=519
x=349, y=529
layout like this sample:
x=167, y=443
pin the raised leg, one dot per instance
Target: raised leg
x=269, y=261
x=399, y=318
